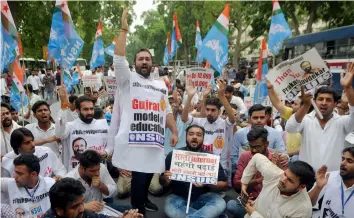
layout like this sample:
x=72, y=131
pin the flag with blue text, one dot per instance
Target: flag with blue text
x=97, y=58
x=279, y=29
x=198, y=44
x=261, y=91
x=110, y=49
x=215, y=44
x=64, y=44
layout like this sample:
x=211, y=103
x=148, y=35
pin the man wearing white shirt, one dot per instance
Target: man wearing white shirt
x=33, y=98
x=99, y=75
x=27, y=192
x=95, y=177
x=283, y=193
x=44, y=129
x=323, y=140
x=87, y=72
x=111, y=71
x=217, y=130
x=143, y=157
x=34, y=80
x=241, y=107
x=7, y=127
x=335, y=189
x=22, y=142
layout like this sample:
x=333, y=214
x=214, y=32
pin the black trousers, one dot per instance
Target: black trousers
x=139, y=190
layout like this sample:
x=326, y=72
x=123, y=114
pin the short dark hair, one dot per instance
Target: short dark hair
x=255, y=107
x=13, y=109
x=58, y=67
x=98, y=112
x=256, y=133
x=268, y=110
x=195, y=126
x=180, y=87
x=229, y=89
x=6, y=106
x=30, y=161
x=327, y=90
x=73, y=98
x=17, y=138
x=213, y=101
x=350, y=150
x=89, y=159
x=304, y=171
x=65, y=191
x=87, y=67
x=141, y=50
x=81, y=99
x=29, y=87
x=38, y=104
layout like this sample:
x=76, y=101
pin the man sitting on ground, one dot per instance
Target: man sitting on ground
x=204, y=202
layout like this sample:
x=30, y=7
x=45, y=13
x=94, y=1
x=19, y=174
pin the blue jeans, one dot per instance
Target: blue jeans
x=236, y=209
x=207, y=205
x=120, y=207
x=49, y=96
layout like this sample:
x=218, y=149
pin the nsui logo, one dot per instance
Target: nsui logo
x=143, y=137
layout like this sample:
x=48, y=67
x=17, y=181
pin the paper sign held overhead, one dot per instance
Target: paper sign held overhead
x=201, y=77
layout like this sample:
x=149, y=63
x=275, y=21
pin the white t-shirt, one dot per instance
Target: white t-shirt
x=216, y=138
x=79, y=136
x=332, y=200
x=241, y=107
x=5, y=141
x=20, y=200
x=38, y=133
x=50, y=164
x=34, y=81
x=125, y=156
x=87, y=73
x=3, y=86
x=111, y=73
x=99, y=79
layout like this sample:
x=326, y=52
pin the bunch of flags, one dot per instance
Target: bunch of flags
x=97, y=58
x=64, y=45
x=176, y=38
x=10, y=50
x=198, y=44
x=167, y=52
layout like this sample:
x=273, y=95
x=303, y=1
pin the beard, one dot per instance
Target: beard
x=194, y=148
x=211, y=119
x=144, y=70
x=88, y=119
x=6, y=123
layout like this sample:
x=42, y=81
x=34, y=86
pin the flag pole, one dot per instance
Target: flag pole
x=175, y=70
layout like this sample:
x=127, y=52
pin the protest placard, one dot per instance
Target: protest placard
x=90, y=81
x=201, y=77
x=307, y=70
x=194, y=167
x=111, y=85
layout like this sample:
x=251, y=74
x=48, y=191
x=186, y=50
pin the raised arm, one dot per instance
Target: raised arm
x=347, y=81
x=122, y=38
x=306, y=99
x=275, y=99
x=225, y=103
x=191, y=90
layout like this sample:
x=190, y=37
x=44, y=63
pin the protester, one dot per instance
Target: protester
x=49, y=86
x=4, y=90
x=98, y=183
x=327, y=186
x=143, y=158
x=241, y=107
x=205, y=202
x=27, y=191
x=111, y=70
x=34, y=81
x=14, y=115
x=73, y=112
x=33, y=98
x=283, y=193
x=67, y=201
x=217, y=130
x=7, y=127
x=44, y=130
x=87, y=72
x=257, y=138
x=256, y=118
x=22, y=142
x=93, y=132
x=323, y=139
x=58, y=81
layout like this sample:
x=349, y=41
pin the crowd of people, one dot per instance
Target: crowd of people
x=76, y=163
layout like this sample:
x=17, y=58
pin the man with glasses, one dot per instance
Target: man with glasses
x=258, y=143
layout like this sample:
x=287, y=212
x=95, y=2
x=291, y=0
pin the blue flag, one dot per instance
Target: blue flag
x=8, y=49
x=64, y=44
x=110, y=49
x=16, y=92
x=166, y=55
x=279, y=29
x=68, y=81
x=198, y=45
x=75, y=78
x=216, y=43
x=261, y=91
x=97, y=58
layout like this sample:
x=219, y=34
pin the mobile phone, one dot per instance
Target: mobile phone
x=243, y=199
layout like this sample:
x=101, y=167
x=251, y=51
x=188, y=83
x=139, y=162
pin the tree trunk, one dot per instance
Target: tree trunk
x=185, y=52
x=295, y=21
x=237, y=51
x=312, y=18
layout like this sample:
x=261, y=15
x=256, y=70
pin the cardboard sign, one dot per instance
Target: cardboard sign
x=111, y=85
x=307, y=70
x=194, y=167
x=90, y=81
x=201, y=77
